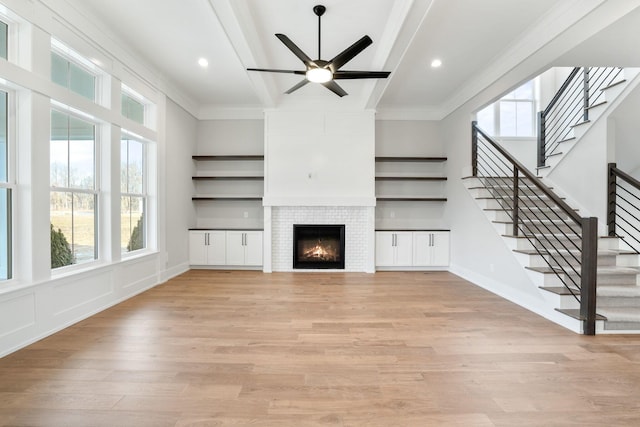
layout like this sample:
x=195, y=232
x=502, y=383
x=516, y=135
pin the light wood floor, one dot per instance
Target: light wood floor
x=390, y=349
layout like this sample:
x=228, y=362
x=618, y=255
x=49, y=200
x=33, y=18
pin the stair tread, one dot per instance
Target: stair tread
x=614, y=84
x=601, y=252
x=560, y=290
x=601, y=270
x=575, y=313
x=584, y=122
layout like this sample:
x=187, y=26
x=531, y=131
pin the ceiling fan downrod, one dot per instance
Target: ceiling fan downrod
x=319, y=10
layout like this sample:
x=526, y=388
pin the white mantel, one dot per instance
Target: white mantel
x=319, y=169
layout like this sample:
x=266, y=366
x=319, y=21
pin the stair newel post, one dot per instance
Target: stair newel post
x=516, y=197
x=585, y=84
x=589, y=263
x=474, y=148
x=611, y=199
x=542, y=128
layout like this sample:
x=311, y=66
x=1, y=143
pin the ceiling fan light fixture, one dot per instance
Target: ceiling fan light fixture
x=319, y=75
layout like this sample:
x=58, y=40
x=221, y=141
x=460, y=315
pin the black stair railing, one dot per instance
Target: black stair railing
x=623, y=213
x=565, y=241
x=581, y=91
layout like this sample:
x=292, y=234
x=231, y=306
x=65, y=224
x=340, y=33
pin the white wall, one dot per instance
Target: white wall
x=319, y=158
x=180, y=214
x=39, y=302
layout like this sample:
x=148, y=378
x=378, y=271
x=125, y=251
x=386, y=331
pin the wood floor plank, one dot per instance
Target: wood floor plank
x=320, y=349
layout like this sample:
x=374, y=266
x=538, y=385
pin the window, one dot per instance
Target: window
x=73, y=203
x=133, y=194
x=513, y=115
x=5, y=191
x=70, y=70
x=4, y=40
x=132, y=108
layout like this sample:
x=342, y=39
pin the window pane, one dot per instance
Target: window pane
x=4, y=145
x=136, y=167
x=5, y=234
x=524, y=112
x=82, y=82
x=81, y=154
x=507, y=118
x=59, y=70
x=84, y=226
x=133, y=232
x=525, y=91
x=486, y=119
x=132, y=109
x=4, y=32
x=59, y=150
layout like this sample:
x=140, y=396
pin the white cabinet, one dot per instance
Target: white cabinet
x=244, y=247
x=430, y=248
x=393, y=248
x=225, y=247
x=412, y=248
x=207, y=247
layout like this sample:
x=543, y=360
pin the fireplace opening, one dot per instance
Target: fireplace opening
x=318, y=246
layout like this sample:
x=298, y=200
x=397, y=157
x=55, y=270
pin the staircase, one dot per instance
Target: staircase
x=576, y=107
x=555, y=268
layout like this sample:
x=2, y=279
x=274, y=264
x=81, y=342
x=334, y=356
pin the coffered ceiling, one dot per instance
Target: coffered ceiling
x=477, y=41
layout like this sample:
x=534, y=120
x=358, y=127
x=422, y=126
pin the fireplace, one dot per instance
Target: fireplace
x=318, y=246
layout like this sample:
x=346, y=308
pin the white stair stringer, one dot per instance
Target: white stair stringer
x=618, y=275
x=613, y=95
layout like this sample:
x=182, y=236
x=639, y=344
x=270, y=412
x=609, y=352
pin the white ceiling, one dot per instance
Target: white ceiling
x=471, y=37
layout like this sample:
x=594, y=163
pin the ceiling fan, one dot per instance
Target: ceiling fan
x=326, y=72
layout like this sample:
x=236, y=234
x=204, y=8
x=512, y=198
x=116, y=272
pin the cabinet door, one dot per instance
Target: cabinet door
x=440, y=249
x=404, y=249
x=197, y=247
x=216, y=247
x=422, y=248
x=253, y=248
x=235, y=247
x=385, y=249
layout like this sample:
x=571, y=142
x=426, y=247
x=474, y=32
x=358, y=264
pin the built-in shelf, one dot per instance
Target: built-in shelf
x=228, y=157
x=410, y=178
x=228, y=177
x=410, y=191
x=411, y=199
x=411, y=159
x=226, y=197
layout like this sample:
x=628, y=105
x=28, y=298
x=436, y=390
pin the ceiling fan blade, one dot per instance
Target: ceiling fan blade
x=268, y=70
x=295, y=49
x=298, y=86
x=335, y=88
x=342, y=75
x=348, y=54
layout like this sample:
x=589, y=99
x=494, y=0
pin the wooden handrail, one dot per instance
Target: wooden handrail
x=626, y=177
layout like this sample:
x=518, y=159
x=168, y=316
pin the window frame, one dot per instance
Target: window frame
x=96, y=191
x=84, y=64
x=144, y=195
x=496, y=106
x=10, y=184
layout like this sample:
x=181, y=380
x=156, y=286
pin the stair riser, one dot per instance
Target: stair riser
x=506, y=215
x=615, y=279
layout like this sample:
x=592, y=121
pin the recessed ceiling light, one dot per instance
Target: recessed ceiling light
x=203, y=62
x=436, y=63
